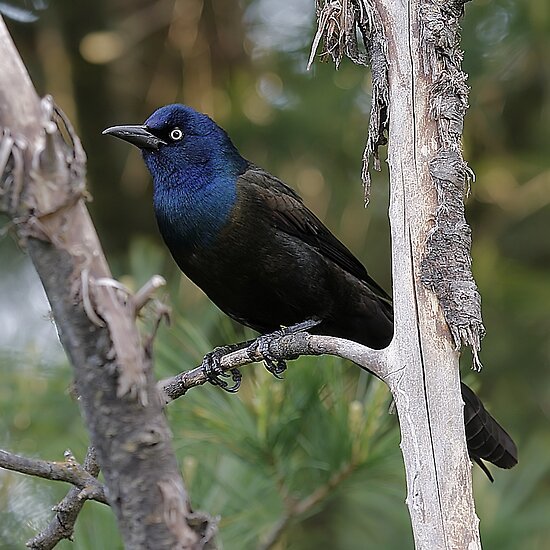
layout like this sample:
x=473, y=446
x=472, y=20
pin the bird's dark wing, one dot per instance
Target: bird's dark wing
x=294, y=218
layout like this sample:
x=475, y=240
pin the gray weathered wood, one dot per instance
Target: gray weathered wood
x=412, y=48
x=425, y=382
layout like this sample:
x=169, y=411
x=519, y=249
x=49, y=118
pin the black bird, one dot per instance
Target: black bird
x=249, y=242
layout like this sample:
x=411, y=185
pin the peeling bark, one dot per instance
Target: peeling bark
x=339, y=22
x=446, y=264
x=413, y=48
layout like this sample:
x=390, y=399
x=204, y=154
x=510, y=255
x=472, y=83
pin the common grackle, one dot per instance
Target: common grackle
x=251, y=244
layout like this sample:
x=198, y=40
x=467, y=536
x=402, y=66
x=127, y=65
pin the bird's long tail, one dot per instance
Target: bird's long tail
x=486, y=438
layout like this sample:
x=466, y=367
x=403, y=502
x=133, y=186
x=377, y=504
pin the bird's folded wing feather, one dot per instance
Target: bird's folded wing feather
x=294, y=218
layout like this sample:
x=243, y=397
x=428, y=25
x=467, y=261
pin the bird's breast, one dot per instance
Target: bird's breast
x=191, y=216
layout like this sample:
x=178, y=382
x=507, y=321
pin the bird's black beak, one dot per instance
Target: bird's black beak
x=137, y=135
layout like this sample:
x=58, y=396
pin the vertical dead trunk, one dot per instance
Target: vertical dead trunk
x=419, y=98
x=425, y=383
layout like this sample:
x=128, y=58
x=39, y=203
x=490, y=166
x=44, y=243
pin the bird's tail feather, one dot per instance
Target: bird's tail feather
x=486, y=438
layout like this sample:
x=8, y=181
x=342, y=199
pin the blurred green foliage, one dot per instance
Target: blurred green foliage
x=317, y=455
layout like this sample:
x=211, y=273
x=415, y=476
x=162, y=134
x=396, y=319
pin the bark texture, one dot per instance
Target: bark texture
x=419, y=97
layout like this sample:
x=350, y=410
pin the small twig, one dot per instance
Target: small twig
x=145, y=293
x=86, y=300
x=141, y=298
x=66, y=512
x=69, y=471
x=10, y=193
x=285, y=347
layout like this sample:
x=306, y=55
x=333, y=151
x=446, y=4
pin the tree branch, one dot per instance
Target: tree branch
x=66, y=512
x=284, y=347
x=43, y=190
x=69, y=471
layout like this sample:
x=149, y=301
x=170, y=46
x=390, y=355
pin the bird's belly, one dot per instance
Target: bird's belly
x=259, y=287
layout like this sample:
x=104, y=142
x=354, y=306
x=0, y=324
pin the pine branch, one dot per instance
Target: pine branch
x=303, y=506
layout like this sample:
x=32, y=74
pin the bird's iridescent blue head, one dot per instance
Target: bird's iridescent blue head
x=182, y=146
x=194, y=166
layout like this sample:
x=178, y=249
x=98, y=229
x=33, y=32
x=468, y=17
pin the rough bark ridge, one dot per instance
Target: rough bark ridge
x=446, y=265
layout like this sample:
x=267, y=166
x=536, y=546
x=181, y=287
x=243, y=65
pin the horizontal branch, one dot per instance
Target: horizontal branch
x=280, y=348
x=69, y=471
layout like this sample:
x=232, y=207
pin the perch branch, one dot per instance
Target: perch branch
x=285, y=347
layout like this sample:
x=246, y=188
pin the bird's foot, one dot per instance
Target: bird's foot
x=214, y=373
x=262, y=344
x=275, y=366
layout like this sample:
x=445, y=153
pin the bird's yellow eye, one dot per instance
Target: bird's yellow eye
x=176, y=134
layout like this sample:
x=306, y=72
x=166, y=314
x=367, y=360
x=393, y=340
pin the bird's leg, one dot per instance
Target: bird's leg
x=261, y=345
x=211, y=361
x=213, y=371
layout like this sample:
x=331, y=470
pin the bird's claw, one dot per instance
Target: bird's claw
x=214, y=374
x=273, y=365
x=276, y=368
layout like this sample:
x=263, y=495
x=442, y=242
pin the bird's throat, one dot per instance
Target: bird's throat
x=190, y=215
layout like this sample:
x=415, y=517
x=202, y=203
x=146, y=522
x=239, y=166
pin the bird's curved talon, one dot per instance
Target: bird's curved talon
x=237, y=377
x=276, y=368
x=273, y=365
x=214, y=375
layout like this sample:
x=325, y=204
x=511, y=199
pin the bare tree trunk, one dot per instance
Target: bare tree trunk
x=42, y=179
x=419, y=97
x=424, y=356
